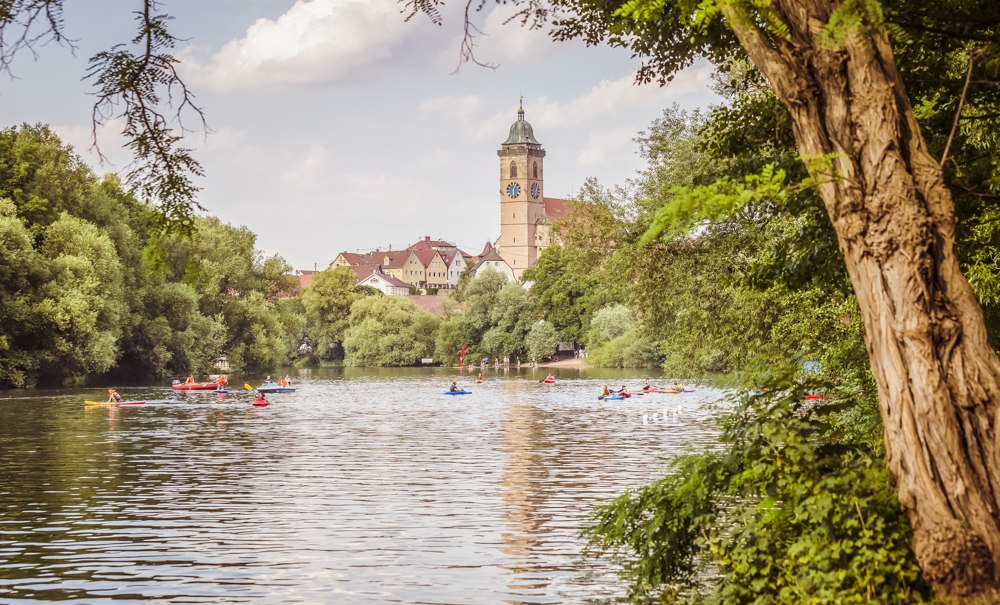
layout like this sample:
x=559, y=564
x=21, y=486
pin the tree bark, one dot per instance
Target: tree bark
x=938, y=378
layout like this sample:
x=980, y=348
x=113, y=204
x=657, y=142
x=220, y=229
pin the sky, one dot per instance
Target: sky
x=336, y=126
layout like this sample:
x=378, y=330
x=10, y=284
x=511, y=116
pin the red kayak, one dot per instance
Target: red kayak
x=549, y=381
x=815, y=396
x=196, y=386
x=649, y=390
x=261, y=404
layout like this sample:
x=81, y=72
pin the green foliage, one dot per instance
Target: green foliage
x=327, y=303
x=610, y=323
x=87, y=287
x=388, y=331
x=541, y=341
x=791, y=509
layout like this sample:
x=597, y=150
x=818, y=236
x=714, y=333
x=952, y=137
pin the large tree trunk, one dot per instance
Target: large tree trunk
x=938, y=379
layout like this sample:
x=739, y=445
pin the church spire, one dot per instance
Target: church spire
x=520, y=109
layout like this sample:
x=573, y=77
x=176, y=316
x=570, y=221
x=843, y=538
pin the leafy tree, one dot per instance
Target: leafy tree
x=327, y=303
x=388, y=331
x=20, y=274
x=542, y=340
x=80, y=309
x=453, y=332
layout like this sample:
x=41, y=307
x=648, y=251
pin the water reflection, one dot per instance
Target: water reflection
x=363, y=487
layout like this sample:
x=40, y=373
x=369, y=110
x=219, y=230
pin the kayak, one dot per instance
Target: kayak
x=671, y=391
x=611, y=398
x=195, y=386
x=273, y=388
x=261, y=404
x=114, y=403
x=650, y=390
x=548, y=381
x=457, y=393
x=221, y=391
x=815, y=396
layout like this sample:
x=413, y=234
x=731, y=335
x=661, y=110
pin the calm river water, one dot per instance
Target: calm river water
x=362, y=487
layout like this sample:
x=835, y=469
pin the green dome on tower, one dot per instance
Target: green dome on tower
x=520, y=131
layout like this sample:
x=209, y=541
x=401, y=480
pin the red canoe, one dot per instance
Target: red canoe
x=196, y=386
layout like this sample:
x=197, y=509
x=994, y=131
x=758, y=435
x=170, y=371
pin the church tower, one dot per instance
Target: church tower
x=522, y=205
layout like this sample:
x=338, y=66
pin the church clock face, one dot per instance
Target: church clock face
x=513, y=190
x=535, y=190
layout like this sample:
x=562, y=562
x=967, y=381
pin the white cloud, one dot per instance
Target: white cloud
x=387, y=194
x=314, y=42
x=505, y=41
x=461, y=108
x=607, y=101
x=109, y=139
x=310, y=170
x=604, y=146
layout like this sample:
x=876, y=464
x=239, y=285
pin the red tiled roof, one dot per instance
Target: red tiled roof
x=397, y=260
x=356, y=259
x=489, y=255
x=425, y=256
x=427, y=244
x=363, y=271
x=392, y=280
x=556, y=208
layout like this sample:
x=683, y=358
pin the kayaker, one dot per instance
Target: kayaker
x=189, y=380
x=113, y=396
x=221, y=380
x=454, y=386
x=606, y=392
x=288, y=381
x=479, y=378
x=550, y=378
x=677, y=385
x=623, y=391
x=268, y=379
x=259, y=397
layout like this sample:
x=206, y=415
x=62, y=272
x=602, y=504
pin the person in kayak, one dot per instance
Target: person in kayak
x=259, y=397
x=624, y=391
x=479, y=378
x=287, y=380
x=606, y=392
x=677, y=386
x=221, y=381
x=646, y=386
x=189, y=380
x=113, y=396
x=454, y=386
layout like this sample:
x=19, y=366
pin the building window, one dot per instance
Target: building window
x=513, y=170
x=534, y=170
x=515, y=240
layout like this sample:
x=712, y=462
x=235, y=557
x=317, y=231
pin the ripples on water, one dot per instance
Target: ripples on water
x=361, y=490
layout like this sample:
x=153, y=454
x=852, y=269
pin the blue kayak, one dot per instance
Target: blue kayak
x=457, y=393
x=612, y=398
x=274, y=388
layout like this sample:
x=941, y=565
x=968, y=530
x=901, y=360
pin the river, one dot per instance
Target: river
x=361, y=487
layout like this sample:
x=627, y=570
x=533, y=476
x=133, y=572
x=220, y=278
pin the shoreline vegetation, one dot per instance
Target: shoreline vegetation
x=717, y=258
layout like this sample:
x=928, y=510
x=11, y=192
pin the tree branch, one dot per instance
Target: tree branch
x=961, y=102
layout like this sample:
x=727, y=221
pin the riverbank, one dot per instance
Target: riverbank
x=568, y=364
